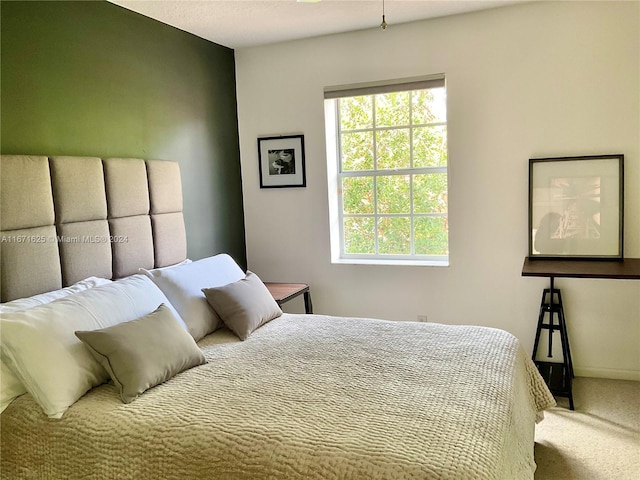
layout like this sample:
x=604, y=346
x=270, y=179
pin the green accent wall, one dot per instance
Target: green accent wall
x=95, y=79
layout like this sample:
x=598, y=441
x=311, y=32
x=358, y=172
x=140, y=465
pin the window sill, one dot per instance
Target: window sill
x=396, y=262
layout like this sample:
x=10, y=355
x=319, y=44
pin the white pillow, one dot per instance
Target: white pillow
x=43, y=298
x=10, y=385
x=183, y=286
x=146, y=272
x=41, y=348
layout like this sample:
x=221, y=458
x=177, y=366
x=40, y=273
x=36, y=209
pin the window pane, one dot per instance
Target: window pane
x=359, y=235
x=430, y=193
x=357, y=151
x=431, y=235
x=394, y=235
x=392, y=149
x=357, y=195
x=429, y=106
x=393, y=194
x=392, y=197
x=430, y=146
x=356, y=112
x=392, y=109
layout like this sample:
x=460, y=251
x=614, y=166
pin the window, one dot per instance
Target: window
x=387, y=165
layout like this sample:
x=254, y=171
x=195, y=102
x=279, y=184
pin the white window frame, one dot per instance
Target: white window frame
x=335, y=175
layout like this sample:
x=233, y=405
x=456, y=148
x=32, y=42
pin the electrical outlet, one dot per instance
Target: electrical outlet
x=422, y=318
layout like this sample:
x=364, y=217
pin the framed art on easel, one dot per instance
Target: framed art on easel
x=576, y=207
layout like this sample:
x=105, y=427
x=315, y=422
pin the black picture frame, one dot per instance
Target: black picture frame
x=281, y=161
x=576, y=207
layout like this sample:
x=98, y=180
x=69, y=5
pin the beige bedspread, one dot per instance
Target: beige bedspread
x=305, y=397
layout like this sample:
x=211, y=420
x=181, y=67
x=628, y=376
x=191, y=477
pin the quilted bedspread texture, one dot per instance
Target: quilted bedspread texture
x=304, y=397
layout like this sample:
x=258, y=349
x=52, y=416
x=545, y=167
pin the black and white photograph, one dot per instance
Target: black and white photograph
x=575, y=207
x=281, y=161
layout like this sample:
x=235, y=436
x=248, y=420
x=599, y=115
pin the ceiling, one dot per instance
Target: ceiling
x=247, y=23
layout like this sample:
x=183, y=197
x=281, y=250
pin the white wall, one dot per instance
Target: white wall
x=533, y=80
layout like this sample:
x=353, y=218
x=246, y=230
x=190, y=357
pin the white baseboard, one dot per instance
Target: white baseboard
x=608, y=373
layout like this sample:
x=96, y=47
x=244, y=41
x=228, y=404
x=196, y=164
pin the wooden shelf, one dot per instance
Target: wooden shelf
x=614, y=269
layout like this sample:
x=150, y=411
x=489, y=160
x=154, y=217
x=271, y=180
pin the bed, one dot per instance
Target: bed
x=285, y=397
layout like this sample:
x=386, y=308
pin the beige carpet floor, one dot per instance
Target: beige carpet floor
x=600, y=440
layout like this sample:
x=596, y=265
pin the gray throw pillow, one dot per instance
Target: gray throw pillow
x=143, y=353
x=244, y=305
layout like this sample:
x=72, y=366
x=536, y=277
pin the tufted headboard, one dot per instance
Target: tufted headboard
x=63, y=219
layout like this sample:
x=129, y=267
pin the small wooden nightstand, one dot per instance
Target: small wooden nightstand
x=283, y=292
